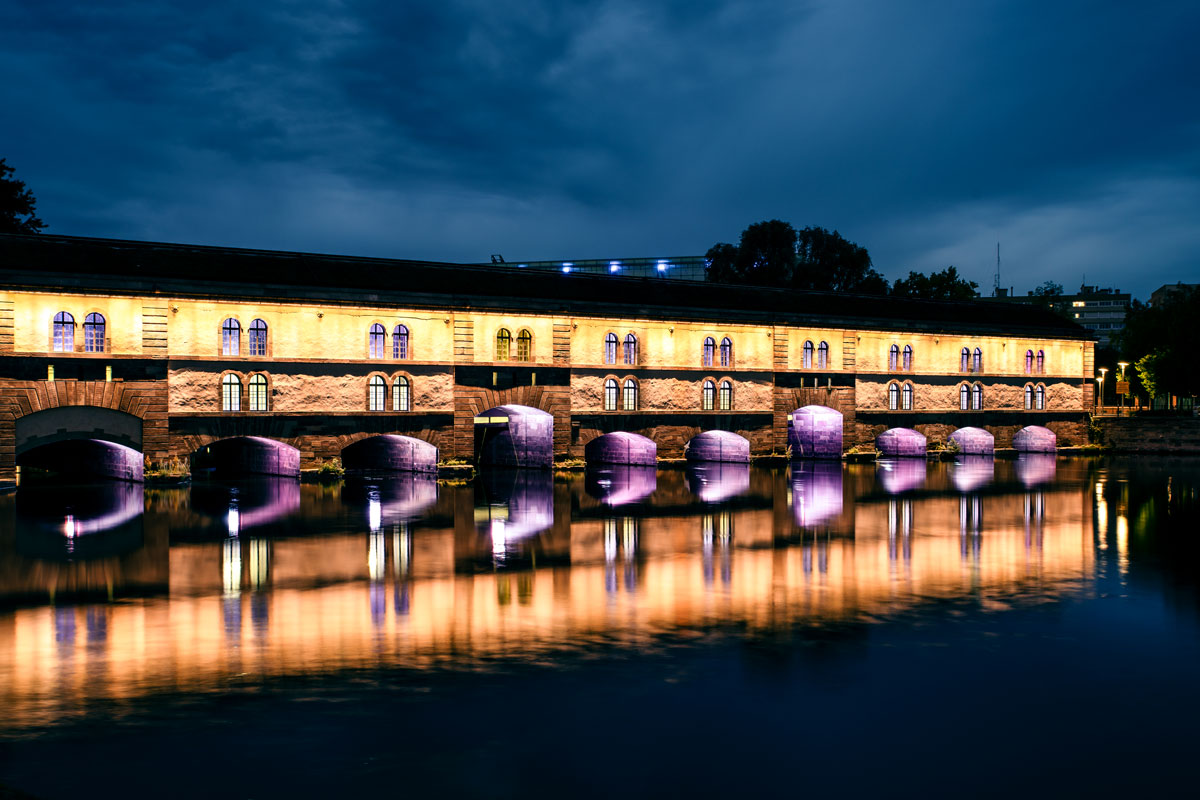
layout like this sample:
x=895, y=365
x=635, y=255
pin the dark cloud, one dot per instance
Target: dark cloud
x=451, y=130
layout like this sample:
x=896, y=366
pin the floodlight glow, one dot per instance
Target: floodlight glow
x=613, y=266
x=567, y=266
x=662, y=266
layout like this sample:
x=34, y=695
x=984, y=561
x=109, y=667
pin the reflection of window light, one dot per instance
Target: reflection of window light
x=402, y=548
x=231, y=566
x=376, y=561
x=233, y=521
x=259, y=560
x=69, y=527
x=374, y=512
x=498, y=538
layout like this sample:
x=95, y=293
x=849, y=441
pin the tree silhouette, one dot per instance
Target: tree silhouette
x=17, y=205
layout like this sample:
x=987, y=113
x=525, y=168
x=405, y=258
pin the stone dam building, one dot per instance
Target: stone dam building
x=117, y=353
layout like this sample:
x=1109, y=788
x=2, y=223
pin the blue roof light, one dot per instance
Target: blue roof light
x=567, y=266
x=613, y=266
x=662, y=266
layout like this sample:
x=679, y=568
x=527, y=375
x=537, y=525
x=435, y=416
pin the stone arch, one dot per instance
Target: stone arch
x=390, y=453
x=901, y=442
x=514, y=435
x=723, y=446
x=1035, y=439
x=238, y=456
x=81, y=440
x=816, y=432
x=621, y=447
x=974, y=441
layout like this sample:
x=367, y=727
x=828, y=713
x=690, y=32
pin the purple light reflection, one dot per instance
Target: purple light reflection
x=816, y=492
x=900, y=475
x=971, y=473
x=1035, y=468
x=717, y=482
x=620, y=484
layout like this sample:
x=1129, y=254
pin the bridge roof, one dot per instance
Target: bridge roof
x=116, y=266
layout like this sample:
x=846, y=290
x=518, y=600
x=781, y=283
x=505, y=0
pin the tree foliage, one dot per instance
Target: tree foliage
x=773, y=253
x=1162, y=342
x=944, y=285
x=1049, y=289
x=17, y=205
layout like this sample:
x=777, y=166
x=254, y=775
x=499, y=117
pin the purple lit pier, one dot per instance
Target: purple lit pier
x=515, y=436
x=816, y=433
x=390, y=453
x=248, y=455
x=901, y=443
x=718, y=446
x=621, y=447
x=816, y=492
x=974, y=441
x=620, y=484
x=1035, y=439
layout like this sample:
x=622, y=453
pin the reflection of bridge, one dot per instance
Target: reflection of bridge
x=401, y=591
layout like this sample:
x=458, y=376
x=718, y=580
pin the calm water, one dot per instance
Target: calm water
x=981, y=628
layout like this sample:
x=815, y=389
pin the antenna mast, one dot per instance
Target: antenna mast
x=996, y=286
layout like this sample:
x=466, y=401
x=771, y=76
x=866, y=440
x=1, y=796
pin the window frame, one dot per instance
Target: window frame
x=977, y=361
x=402, y=386
x=524, y=345
x=376, y=341
x=906, y=396
x=893, y=357
x=708, y=351
x=376, y=385
x=906, y=358
x=231, y=337
x=612, y=394
x=964, y=397
x=1039, y=397
x=806, y=359
x=708, y=395
x=231, y=392
x=256, y=337
x=726, y=352
x=977, y=397
x=630, y=349
x=823, y=355
x=258, y=392
x=1041, y=362
x=964, y=363
x=503, y=347
x=893, y=396
x=94, y=332
x=630, y=395
x=611, y=344
x=725, y=395
x=401, y=343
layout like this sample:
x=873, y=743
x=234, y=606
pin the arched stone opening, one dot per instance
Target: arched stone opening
x=974, y=441
x=901, y=443
x=246, y=455
x=390, y=452
x=720, y=446
x=1035, y=439
x=816, y=432
x=621, y=447
x=514, y=436
x=81, y=442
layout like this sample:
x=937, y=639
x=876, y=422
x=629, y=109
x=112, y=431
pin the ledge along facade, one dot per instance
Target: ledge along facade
x=168, y=349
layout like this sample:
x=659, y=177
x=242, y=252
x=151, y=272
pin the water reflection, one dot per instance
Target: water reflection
x=79, y=521
x=816, y=491
x=620, y=484
x=248, y=504
x=520, y=565
x=717, y=482
x=972, y=473
x=1036, y=468
x=899, y=475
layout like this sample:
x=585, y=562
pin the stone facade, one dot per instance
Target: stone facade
x=166, y=357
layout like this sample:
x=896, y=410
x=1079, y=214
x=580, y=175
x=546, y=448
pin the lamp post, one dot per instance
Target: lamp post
x=1100, y=382
x=1122, y=365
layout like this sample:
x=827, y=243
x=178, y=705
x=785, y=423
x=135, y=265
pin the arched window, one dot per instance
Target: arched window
x=631, y=395
x=964, y=363
x=610, y=394
x=1039, y=397
x=708, y=352
x=400, y=342
x=610, y=348
x=93, y=333
x=503, y=344
x=631, y=349
x=64, y=332
x=231, y=393
x=376, y=391
x=726, y=352
x=231, y=337
x=401, y=397
x=964, y=397
x=1029, y=397
x=893, y=357
x=906, y=397
x=806, y=362
x=977, y=361
x=977, y=397
x=1041, y=362
x=908, y=353
x=377, y=341
x=893, y=396
x=823, y=355
x=1028, y=361
x=524, y=345
x=708, y=396
x=725, y=397
x=258, y=392
x=258, y=338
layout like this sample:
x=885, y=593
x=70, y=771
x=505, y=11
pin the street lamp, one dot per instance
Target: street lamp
x=1100, y=382
x=1122, y=365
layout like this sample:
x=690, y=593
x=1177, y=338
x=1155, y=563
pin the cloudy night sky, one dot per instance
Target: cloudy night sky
x=926, y=132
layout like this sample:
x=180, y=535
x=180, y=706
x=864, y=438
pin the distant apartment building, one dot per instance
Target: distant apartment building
x=1169, y=290
x=1099, y=309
